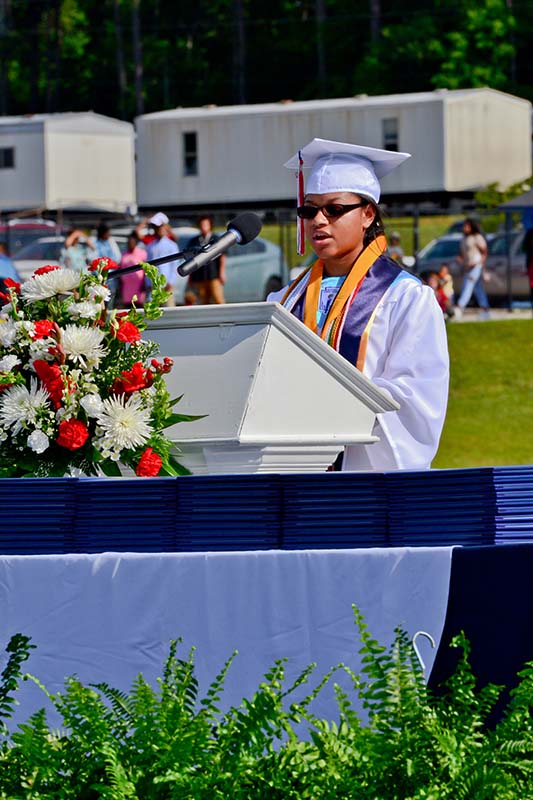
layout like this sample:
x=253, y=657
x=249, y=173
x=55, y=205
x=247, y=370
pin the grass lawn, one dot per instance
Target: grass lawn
x=490, y=410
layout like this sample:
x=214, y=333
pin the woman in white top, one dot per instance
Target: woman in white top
x=379, y=317
x=473, y=256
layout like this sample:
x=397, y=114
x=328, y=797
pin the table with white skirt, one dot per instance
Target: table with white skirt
x=108, y=617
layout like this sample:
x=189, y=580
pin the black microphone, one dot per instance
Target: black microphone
x=241, y=230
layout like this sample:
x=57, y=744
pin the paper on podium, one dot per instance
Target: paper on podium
x=277, y=398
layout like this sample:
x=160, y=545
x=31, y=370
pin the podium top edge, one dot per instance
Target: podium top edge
x=269, y=313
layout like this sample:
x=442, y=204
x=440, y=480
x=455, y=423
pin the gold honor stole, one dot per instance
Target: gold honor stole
x=348, y=322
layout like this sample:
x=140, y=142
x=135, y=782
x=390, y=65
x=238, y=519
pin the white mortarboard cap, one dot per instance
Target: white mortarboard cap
x=343, y=167
x=158, y=219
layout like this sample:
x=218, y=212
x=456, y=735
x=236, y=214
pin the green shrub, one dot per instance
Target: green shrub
x=171, y=742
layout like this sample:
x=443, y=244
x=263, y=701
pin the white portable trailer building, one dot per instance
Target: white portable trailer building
x=460, y=141
x=75, y=161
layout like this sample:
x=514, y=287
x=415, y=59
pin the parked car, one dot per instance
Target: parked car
x=47, y=250
x=253, y=270
x=17, y=233
x=445, y=249
x=496, y=267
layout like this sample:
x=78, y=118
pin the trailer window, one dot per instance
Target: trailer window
x=190, y=153
x=7, y=157
x=390, y=134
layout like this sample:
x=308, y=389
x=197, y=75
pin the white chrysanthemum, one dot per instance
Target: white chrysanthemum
x=83, y=345
x=18, y=406
x=57, y=281
x=8, y=332
x=84, y=310
x=8, y=362
x=40, y=349
x=99, y=292
x=123, y=424
x=38, y=441
x=91, y=404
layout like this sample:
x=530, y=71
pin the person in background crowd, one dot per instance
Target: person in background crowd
x=432, y=279
x=395, y=250
x=78, y=250
x=473, y=254
x=132, y=284
x=446, y=283
x=164, y=245
x=379, y=317
x=7, y=268
x=207, y=282
x=105, y=245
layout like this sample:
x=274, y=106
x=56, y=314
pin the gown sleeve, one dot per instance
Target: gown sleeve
x=407, y=356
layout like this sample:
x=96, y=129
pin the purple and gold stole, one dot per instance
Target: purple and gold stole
x=347, y=325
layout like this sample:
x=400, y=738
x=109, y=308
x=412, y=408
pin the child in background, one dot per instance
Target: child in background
x=432, y=279
x=446, y=283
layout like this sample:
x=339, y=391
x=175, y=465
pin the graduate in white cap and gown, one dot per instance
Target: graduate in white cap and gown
x=375, y=314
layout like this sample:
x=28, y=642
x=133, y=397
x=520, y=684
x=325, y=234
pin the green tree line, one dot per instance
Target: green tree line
x=125, y=57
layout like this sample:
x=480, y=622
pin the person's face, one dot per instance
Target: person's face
x=433, y=281
x=205, y=226
x=467, y=229
x=132, y=243
x=337, y=237
x=444, y=272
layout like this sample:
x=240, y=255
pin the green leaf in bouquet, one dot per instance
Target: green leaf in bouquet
x=173, y=419
x=172, y=467
x=110, y=468
x=159, y=294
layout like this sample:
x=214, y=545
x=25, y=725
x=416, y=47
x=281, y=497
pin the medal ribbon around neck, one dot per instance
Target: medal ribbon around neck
x=348, y=289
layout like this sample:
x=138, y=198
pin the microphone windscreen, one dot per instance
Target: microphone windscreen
x=247, y=225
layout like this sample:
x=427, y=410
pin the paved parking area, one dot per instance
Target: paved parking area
x=473, y=315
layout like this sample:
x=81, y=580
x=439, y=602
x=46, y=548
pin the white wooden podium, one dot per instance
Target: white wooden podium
x=277, y=398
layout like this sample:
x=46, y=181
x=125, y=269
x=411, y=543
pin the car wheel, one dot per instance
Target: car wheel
x=273, y=284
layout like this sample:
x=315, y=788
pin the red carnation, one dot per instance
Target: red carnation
x=128, y=332
x=43, y=328
x=9, y=283
x=45, y=269
x=149, y=464
x=52, y=379
x=103, y=263
x=73, y=434
x=138, y=377
x=164, y=367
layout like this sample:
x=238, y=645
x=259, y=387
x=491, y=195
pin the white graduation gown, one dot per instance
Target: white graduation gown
x=407, y=355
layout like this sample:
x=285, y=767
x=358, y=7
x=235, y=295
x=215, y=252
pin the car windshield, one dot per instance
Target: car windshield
x=39, y=249
x=498, y=246
x=442, y=249
x=18, y=239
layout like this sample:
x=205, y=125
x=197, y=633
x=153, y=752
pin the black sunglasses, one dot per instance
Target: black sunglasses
x=330, y=210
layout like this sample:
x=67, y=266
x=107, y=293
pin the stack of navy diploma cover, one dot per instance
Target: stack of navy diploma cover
x=335, y=510
x=441, y=507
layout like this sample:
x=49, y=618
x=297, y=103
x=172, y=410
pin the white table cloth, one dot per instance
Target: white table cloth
x=108, y=617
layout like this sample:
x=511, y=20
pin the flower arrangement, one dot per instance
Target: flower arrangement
x=80, y=391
